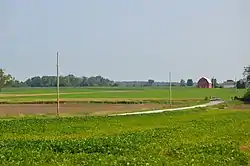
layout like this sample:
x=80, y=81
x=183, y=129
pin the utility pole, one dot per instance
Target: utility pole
x=236, y=84
x=170, y=90
x=58, y=83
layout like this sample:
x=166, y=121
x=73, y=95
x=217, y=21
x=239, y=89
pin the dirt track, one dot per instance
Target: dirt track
x=89, y=109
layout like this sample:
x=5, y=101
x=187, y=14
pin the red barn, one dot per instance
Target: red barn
x=204, y=82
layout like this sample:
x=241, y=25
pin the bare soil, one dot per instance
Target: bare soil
x=241, y=107
x=86, y=108
x=244, y=148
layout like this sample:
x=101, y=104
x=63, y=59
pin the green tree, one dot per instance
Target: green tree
x=246, y=97
x=190, y=82
x=182, y=82
x=246, y=75
x=240, y=84
x=4, y=79
x=34, y=82
x=73, y=81
x=51, y=81
x=15, y=83
x=84, y=81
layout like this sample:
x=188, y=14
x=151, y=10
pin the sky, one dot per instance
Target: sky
x=126, y=40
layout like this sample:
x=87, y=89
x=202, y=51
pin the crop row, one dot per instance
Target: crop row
x=132, y=148
x=200, y=136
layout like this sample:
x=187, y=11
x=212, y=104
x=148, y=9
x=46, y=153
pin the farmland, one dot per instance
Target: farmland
x=202, y=136
x=199, y=137
x=103, y=100
x=20, y=94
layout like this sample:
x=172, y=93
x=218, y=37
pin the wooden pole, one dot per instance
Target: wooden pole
x=235, y=84
x=170, y=90
x=58, y=84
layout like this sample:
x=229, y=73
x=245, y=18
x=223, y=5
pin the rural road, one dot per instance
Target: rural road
x=211, y=103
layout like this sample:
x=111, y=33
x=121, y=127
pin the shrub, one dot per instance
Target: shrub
x=246, y=97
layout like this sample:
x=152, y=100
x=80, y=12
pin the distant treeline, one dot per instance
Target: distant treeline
x=74, y=81
x=65, y=81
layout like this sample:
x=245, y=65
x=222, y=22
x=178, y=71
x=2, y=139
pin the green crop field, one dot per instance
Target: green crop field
x=104, y=100
x=198, y=137
x=204, y=136
x=45, y=94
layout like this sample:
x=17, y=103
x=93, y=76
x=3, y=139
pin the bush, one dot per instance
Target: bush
x=236, y=98
x=246, y=97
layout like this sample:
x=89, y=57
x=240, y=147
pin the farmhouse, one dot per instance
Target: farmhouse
x=204, y=82
x=229, y=84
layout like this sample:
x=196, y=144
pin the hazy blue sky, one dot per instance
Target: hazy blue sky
x=126, y=39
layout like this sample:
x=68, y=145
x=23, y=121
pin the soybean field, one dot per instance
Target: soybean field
x=205, y=136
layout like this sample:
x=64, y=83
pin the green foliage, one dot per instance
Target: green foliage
x=246, y=74
x=240, y=84
x=194, y=137
x=68, y=81
x=246, y=96
x=114, y=93
x=4, y=78
x=182, y=82
x=127, y=148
